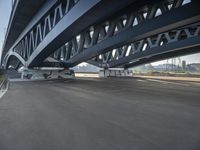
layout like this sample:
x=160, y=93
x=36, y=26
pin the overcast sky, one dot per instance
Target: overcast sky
x=5, y=10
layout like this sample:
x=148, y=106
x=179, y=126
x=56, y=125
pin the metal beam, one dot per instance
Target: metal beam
x=17, y=65
x=16, y=57
x=94, y=63
x=22, y=13
x=171, y=20
x=158, y=57
x=187, y=46
x=82, y=15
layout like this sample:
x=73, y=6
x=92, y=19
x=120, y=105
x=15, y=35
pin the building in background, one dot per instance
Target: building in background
x=183, y=64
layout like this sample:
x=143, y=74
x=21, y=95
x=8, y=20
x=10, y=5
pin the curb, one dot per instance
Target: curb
x=3, y=87
x=3, y=83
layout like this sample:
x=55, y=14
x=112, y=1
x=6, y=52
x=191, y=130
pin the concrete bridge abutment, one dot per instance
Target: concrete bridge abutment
x=115, y=72
x=46, y=73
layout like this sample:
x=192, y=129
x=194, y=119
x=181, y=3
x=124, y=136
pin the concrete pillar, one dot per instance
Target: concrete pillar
x=46, y=73
x=115, y=72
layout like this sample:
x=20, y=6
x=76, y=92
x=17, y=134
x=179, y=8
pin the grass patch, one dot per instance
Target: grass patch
x=2, y=75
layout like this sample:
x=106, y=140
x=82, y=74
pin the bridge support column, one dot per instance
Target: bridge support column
x=46, y=73
x=115, y=72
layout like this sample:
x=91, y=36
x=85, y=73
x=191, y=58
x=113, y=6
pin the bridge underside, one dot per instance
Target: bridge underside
x=129, y=33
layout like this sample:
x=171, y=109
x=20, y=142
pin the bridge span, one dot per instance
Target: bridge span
x=99, y=113
x=107, y=34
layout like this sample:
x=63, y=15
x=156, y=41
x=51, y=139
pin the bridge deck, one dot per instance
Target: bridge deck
x=23, y=11
x=101, y=114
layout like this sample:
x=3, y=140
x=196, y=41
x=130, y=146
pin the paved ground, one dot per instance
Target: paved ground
x=101, y=114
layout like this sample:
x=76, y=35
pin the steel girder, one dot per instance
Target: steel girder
x=14, y=62
x=84, y=30
x=185, y=40
x=21, y=47
x=61, y=23
x=37, y=30
x=21, y=15
x=115, y=33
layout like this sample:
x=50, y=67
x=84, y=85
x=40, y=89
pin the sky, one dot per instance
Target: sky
x=5, y=10
x=193, y=58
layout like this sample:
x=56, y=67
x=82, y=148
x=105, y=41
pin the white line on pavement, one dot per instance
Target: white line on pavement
x=167, y=82
x=3, y=91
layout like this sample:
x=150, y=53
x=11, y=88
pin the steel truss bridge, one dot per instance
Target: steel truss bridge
x=105, y=33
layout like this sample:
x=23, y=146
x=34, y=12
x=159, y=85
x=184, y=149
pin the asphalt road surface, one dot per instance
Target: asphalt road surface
x=101, y=114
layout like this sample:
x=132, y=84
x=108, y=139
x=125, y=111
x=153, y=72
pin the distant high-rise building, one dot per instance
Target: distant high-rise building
x=183, y=64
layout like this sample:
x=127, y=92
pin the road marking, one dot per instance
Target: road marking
x=167, y=82
x=141, y=80
x=154, y=80
x=3, y=91
x=194, y=83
